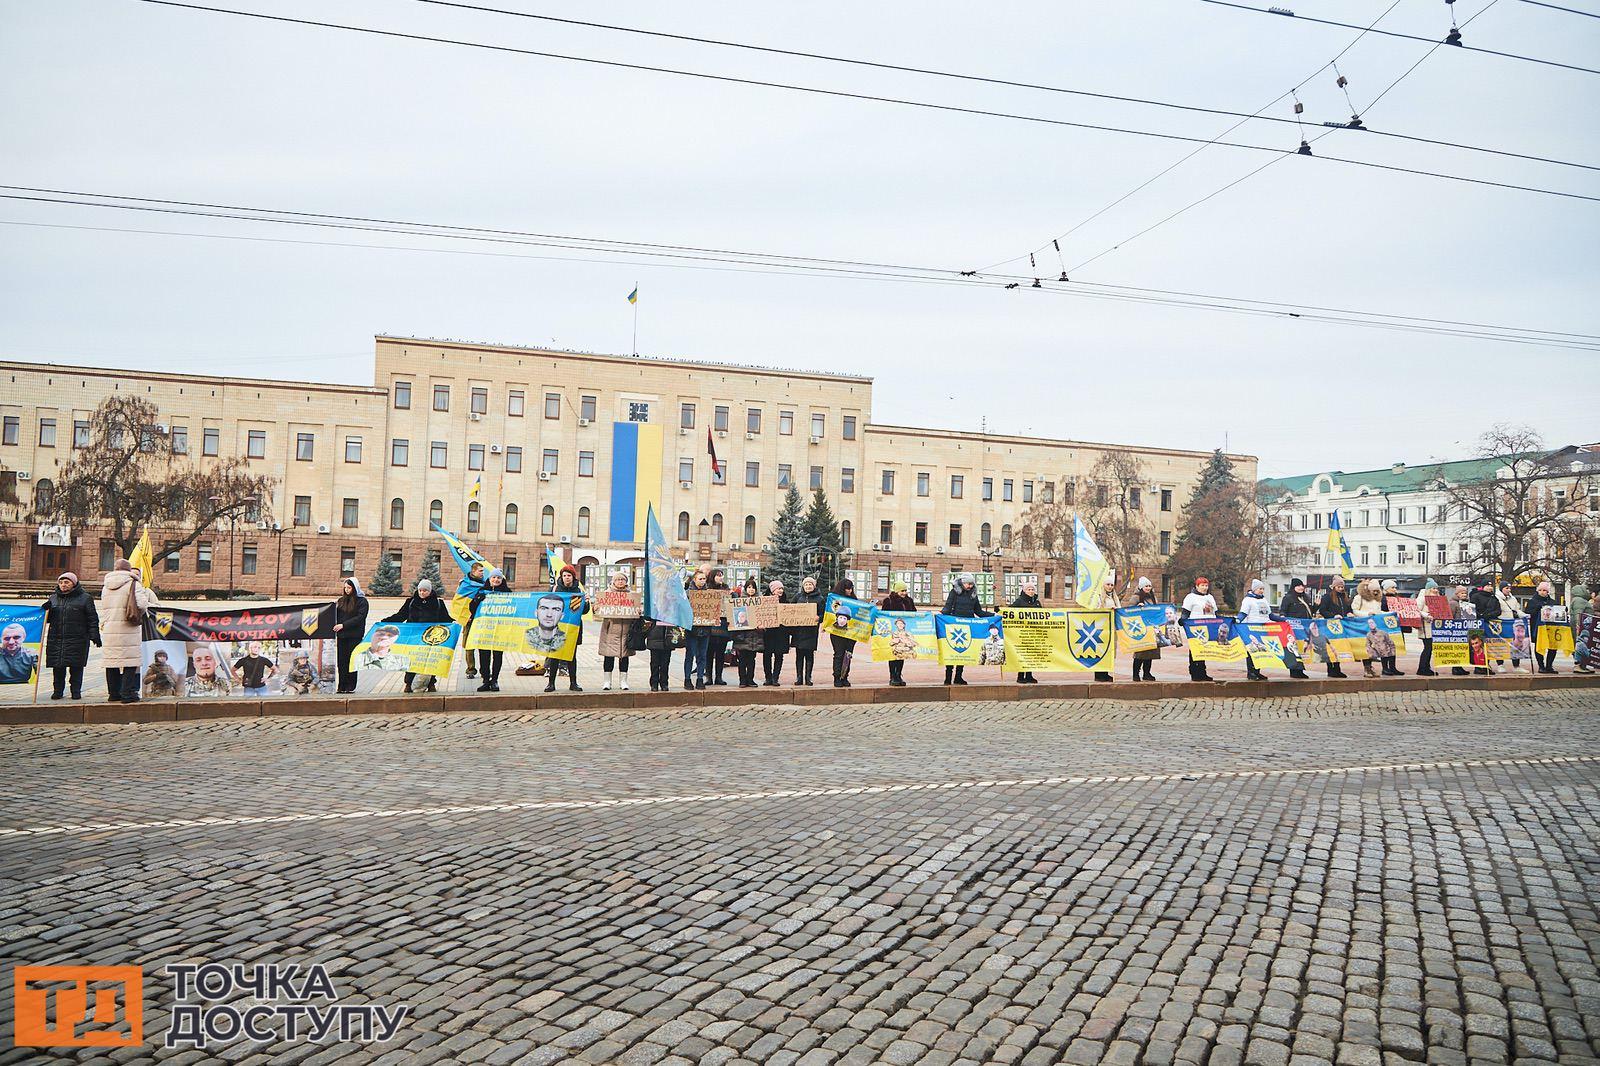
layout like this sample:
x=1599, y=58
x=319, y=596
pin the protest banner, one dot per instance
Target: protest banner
x=1406, y=609
x=21, y=634
x=903, y=635
x=798, y=615
x=415, y=647
x=1458, y=643
x=1438, y=607
x=1554, y=636
x=752, y=612
x=541, y=623
x=301, y=621
x=1339, y=641
x=1054, y=638
x=1270, y=645
x=1507, y=638
x=1138, y=628
x=706, y=605
x=615, y=603
x=970, y=641
x=1214, y=640
x=267, y=651
x=1375, y=636
x=844, y=616
x=1588, y=639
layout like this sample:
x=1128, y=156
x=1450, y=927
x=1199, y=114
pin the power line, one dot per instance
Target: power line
x=1285, y=12
x=1558, y=7
x=842, y=94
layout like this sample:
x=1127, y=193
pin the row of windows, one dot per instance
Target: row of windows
x=1008, y=490
x=721, y=414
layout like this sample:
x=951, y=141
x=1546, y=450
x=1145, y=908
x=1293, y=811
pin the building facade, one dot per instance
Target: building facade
x=519, y=448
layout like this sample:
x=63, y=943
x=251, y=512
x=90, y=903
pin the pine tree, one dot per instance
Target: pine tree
x=386, y=579
x=1216, y=476
x=429, y=570
x=1215, y=534
x=789, y=543
x=821, y=529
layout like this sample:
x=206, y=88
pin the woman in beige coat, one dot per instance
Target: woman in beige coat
x=1109, y=601
x=121, y=652
x=1368, y=602
x=615, y=650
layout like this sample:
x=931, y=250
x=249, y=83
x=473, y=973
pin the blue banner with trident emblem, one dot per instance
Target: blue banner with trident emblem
x=970, y=641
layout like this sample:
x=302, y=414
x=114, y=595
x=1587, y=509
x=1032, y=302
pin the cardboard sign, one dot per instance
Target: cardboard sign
x=614, y=604
x=798, y=614
x=752, y=612
x=1407, y=610
x=707, y=606
x=1438, y=607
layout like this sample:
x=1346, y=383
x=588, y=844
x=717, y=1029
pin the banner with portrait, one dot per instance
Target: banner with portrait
x=752, y=612
x=222, y=669
x=845, y=616
x=535, y=623
x=1139, y=628
x=21, y=634
x=1375, y=636
x=1214, y=640
x=904, y=635
x=299, y=621
x=415, y=647
x=1508, y=638
x=1270, y=645
x=970, y=641
x=1055, y=638
x=1339, y=642
x=1459, y=643
x=1310, y=640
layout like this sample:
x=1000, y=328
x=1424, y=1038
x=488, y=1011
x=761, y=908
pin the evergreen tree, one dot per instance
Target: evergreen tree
x=386, y=579
x=1217, y=475
x=430, y=570
x=789, y=543
x=1215, y=535
x=821, y=529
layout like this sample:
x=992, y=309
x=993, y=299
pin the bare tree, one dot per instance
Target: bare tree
x=128, y=477
x=1112, y=505
x=1270, y=545
x=1046, y=526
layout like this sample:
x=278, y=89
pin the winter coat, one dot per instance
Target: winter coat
x=1487, y=604
x=1509, y=607
x=775, y=640
x=963, y=604
x=417, y=609
x=661, y=636
x=120, y=639
x=1536, y=608
x=74, y=625
x=748, y=639
x=614, y=637
x=1294, y=605
x=1025, y=600
x=355, y=626
x=804, y=638
x=1365, y=608
x=1334, y=604
x=898, y=601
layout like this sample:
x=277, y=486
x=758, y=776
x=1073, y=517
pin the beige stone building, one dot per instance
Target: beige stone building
x=519, y=448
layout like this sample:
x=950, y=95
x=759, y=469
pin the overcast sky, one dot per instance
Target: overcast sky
x=124, y=97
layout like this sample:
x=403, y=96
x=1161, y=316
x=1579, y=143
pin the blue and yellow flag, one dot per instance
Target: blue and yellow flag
x=1089, y=567
x=21, y=635
x=1137, y=626
x=1337, y=545
x=633, y=297
x=970, y=641
x=1214, y=640
x=903, y=635
x=463, y=555
x=476, y=489
x=553, y=562
x=538, y=623
x=665, y=598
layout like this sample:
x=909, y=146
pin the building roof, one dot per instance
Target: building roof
x=1400, y=477
x=1047, y=442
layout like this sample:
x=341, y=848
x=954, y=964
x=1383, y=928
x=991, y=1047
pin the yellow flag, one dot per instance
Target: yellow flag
x=143, y=558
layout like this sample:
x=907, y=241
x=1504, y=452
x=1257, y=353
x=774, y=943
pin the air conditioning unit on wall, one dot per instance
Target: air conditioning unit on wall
x=322, y=527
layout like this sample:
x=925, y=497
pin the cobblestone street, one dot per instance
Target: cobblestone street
x=1364, y=878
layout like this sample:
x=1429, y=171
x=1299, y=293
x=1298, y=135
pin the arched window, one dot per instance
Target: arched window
x=512, y=515
x=397, y=513
x=716, y=529
x=44, y=494
x=436, y=512
x=583, y=521
x=749, y=530
x=844, y=533
x=983, y=535
x=547, y=521
x=683, y=525
x=1005, y=535
x=474, y=512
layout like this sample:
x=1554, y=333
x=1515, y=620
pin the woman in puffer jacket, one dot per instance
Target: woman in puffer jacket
x=121, y=649
x=1367, y=602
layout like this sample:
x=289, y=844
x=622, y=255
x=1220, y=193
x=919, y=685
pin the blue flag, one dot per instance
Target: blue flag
x=664, y=597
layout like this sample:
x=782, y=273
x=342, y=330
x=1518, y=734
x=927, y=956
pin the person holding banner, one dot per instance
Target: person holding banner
x=349, y=627
x=566, y=581
x=1425, y=631
x=774, y=644
x=1586, y=635
x=424, y=605
x=71, y=625
x=1368, y=601
x=470, y=585
x=1544, y=662
x=962, y=603
x=123, y=602
x=1199, y=604
x=1486, y=604
x=1109, y=601
x=698, y=649
x=661, y=639
x=1027, y=596
x=717, y=649
x=1254, y=608
x=844, y=649
x=898, y=599
x=1335, y=603
x=1144, y=596
x=747, y=642
x=490, y=662
x=616, y=646
x=803, y=638
x=1295, y=604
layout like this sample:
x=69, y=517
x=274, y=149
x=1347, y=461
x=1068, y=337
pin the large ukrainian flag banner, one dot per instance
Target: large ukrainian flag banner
x=635, y=478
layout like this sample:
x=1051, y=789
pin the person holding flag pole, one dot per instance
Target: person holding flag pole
x=142, y=559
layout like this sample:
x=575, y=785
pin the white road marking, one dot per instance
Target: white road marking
x=791, y=793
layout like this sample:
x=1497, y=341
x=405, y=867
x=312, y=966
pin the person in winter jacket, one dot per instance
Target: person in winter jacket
x=615, y=643
x=424, y=605
x=1109, y=601
x=1425, y=631
x=1335, y=603
x=660, y=639
x=1486, y=602
x=804, y=638
x=844, y=649
x=349, y=626
x=898, y=600
x=1542, y=597
x=73, y=624
x=1383, y=641
x=567, y=581
x=1027, y=596
x=1199, y=604
x=962, y=603
x=1511, y=607
x=748, y=642
x=121, y=648
x=1144, y=594
x=1295, y=604
x=698, y=648
x=774, y=644
x=1368, y=601
x=490, y=662
x=1255, y=608
x=1465, y=610
x=717, y=649
x=470, y=585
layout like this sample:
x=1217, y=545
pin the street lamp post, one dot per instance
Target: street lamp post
x=276, y=529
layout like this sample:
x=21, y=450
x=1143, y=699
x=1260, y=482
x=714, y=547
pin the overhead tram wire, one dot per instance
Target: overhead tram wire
x=773, y=263
x=1285, y=13
x=843, y=94
x=990, y=80
x=1558, y=7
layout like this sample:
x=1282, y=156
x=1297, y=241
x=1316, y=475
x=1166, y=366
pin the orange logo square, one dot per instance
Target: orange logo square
x=78, y=1006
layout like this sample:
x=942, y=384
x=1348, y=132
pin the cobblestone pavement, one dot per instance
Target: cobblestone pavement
x=1357, y=879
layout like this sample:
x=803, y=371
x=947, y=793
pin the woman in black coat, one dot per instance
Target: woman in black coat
x=774, y=644
x=804, y=638
x=661, y=638
x=424, y=606
x=1028, y=596
x=1543, y=597
x=349, y=626
x=73, y=624
x=962, y=603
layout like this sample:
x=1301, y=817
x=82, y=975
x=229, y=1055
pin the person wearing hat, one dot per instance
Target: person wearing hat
x=424, y=605
x=1543, y=596
x=1296, y=604
x=1254, y=608
x=1027, y=596
x=1389, y=588
x=490, y=662
x=1199, y=604
x=747, y=642
x=1486, y=602
x=567, y=582
x=899, y=599
x=349, y=627
x=616, y=637
x=1425, y=668
x=71, y=625
x=803, y=637
x=1510, y=607
x=774, y=644
x=1335, y=603
x=1109, y=601
x=962, y=602
x=1144, y=595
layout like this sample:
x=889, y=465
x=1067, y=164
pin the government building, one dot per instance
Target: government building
x=571, y=449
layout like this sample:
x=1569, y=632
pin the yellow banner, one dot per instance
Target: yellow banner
x=537, y=623
x=1554, y=636
x=1054, y=638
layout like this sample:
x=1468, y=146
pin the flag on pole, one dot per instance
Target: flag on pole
x=477, y=487
x=463, y=555
x=665, y=599
x=633, y=297
x=143, y=558
x=1089, y=566
x=1338, y=546
x=711, y=450
x=553, y=562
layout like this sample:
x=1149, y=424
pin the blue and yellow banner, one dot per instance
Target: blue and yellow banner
x=665, y=599
x=1269, y=644
x=415, y=647
x=1311, y=642
x=1214, y=640
x=536, y=623
x=903, y=635
x=21, y=633
x=970, y=641
x=1089, y=567
x=1507, y=638
x=1137, y=627
x=1340, y=547
x=843, y=616
x=1054, y=638
x=1375, y=636
x=636, y=469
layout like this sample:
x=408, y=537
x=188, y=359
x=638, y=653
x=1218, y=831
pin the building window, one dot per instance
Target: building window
x=686, y=471
x=988, y=489
x=439, y=454
x=178, y=439
x=1047, y=491
x=44, y=494
x=256, y=444
x=1166, y=542
x=786, y=423
x=686, y=416
x=849, y=427
x=508, y=566
x=478, y=400
x=719, y=472
x=171, y=562
x=1402, y=554
x=47, y=433
x=402, y=395
x=1383, y=555
x=752, y=420
x=474, y=457
x=397, y=513
x=583, y=521
x=305, y=446
x=302, y=510
x=887, y=488
x=683, y=525
x=819, y=426
x=958, y=486
x=1440, y=554
x=347, y=562
x=955, y=535
x=1166, y=499
x=844, y=533
x=297, y=560
x=983, y=535
x=1069, y=491
x=847, y=479
x=247, y=559
x=716, y=529
x=512, y=517
x=1461, y=553
x=1005, y=535
x=923, y=478
x=586, y=464
x=785, y=475
x=551, y=462
x=474, y=516
x=1364, y=554
x=352, y=512
x=547, y=521
x=108, y=554
x=202, y=562
x=1006, y=490
x=516, y=403
x=749, y=529
x=514, y=460
x=719, y=418
x=1400, y=517
x=752, y=474
x=815, y=481
x=586, y=408
x=1027, y=492
x=1135, y=498
x=399, y=452
x=886, y=532
x=441, y=397
x=352, y=449
x=436, y=512
x=552, y=405
x=919, y=535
